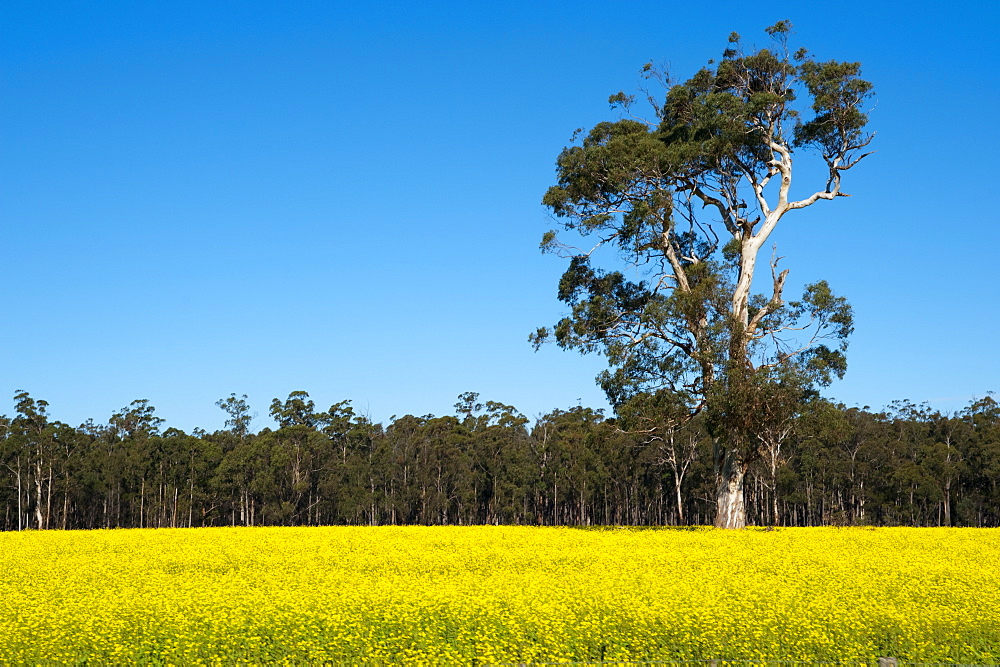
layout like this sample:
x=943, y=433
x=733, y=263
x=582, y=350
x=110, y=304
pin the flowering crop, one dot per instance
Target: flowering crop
x=499, y=594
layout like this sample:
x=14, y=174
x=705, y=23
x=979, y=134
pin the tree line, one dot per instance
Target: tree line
x=489, y=464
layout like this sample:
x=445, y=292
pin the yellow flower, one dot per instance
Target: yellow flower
x=498, y=594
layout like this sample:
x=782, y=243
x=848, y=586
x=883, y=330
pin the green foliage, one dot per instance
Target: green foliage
x=644, y=189
x=297, y=410
x=136, y=420
x=239, y=414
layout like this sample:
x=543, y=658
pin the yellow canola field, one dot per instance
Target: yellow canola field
x=499, y=594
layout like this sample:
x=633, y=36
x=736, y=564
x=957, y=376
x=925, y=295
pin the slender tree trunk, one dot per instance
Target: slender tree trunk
x=555, y=501
x=861, y=500
x=39, y=518
x=48, y=499
x=680, y=501
x=729, y=475
x=65, y=515
x=774, y=492
x=947, y=503
x=20, y=510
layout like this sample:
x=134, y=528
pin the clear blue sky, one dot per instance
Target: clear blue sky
x=200, y=198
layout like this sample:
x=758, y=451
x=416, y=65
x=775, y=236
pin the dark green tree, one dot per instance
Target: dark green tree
x=239, y=413
x=981, y=495
x=568, y=472
x=297, y=410
x=237, y=466
x=664, y=420
x=294, y=451
x=33, y=448
x=499, y=447
x=137, y=420
x=679, y=207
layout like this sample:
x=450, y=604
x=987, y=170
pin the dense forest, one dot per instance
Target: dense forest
x=831, y=465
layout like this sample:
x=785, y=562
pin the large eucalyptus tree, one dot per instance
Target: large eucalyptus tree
x=679, y=207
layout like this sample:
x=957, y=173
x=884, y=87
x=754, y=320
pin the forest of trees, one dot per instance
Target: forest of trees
x=488, y=463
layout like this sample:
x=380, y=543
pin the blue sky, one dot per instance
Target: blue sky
x=205, y=198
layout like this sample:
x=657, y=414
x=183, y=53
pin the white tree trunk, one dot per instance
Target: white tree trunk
x=729, y=473
x=680, y=500
x=39, y=517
